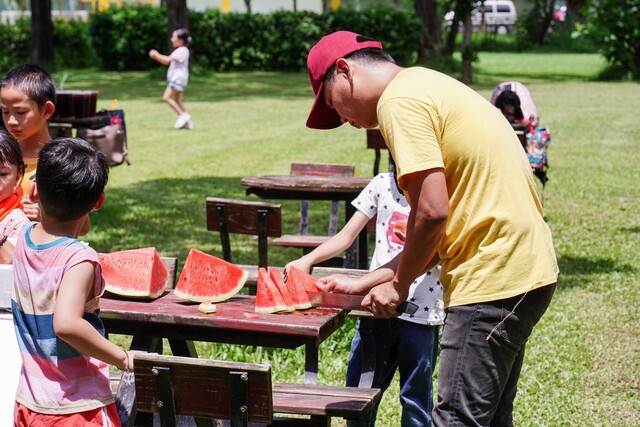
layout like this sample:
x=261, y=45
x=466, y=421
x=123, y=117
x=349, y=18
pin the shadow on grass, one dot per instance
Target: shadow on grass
x=574, y=271
x=169, y=214
x=217, y=87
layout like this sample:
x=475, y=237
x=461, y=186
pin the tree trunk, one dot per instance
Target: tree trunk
x=542, y=16
x=467, y=52
x=247, y=3
x=177, y=17
x=431, y=38
x=41, y=32
x=450, y=44
x=462, y=9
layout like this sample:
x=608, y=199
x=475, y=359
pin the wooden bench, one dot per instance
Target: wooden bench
x=303, y=239
x=244, y=217
x=240, y=392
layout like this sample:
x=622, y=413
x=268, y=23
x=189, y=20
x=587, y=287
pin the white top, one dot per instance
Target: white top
x=178, y=71
x=12, y=224
x=381, y=197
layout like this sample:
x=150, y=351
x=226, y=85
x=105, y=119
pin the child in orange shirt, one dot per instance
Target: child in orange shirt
x=28, y=93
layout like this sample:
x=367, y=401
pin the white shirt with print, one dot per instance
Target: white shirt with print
x=178, y=71
x=381, y=197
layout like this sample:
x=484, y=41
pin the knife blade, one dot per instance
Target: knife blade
x=350, y=302
x=335, y=300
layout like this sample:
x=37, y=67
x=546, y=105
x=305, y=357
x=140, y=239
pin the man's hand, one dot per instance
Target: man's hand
x=384, y=299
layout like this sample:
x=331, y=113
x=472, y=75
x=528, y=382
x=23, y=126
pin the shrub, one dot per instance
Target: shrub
x=15, y=42
x=72, y=44
x=122, y=37
x=614, y=27
x=399, y=31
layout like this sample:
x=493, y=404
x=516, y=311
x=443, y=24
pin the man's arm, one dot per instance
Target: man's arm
x=428, y=196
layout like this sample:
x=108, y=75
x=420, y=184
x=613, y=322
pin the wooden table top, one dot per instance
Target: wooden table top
x=305, y=187
x=235, y=321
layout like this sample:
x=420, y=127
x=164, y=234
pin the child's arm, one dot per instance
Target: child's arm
x=69, y=326
x=163, y=59
x=332, y=247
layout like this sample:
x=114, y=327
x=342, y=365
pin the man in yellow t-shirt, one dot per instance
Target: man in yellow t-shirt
x=474, y=208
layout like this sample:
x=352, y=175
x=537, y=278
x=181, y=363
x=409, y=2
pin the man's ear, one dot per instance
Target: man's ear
x=342, y=67
x=99, y=203
x=49, y=109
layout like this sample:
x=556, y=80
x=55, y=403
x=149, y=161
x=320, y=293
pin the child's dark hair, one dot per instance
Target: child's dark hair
x=34, y=81
x=183, y=34
x=10, y=152
x=70, y=178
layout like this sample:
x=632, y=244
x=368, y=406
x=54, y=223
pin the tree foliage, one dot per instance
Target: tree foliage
x=614, y=25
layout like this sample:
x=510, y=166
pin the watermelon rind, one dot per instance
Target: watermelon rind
x=207, y=308
x=215, y=268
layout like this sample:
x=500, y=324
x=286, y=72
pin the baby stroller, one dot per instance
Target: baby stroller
x=515, y=102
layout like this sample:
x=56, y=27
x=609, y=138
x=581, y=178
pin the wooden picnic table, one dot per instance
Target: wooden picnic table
x=235, y=322
x=303, y=187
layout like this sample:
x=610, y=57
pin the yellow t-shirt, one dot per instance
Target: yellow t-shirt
x=31, y=163
x=497, y=244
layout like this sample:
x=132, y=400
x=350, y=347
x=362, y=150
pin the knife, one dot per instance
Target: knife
x=350, y=302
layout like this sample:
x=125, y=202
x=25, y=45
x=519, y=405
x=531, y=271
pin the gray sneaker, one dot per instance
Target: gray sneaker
x=189, y=125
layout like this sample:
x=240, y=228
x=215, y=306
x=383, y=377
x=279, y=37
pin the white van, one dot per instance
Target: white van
x=499, y=16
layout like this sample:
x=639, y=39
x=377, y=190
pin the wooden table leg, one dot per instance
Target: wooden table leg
x=310, y=364
x=363, y=249
x=350, y=257
x=183, y=348
x=368, y=352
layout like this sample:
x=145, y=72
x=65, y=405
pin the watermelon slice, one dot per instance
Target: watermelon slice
x=298, y=293
x=206, y=278
x=138, y=273
x=268, y=298
x=276, y=278
x=308, y=281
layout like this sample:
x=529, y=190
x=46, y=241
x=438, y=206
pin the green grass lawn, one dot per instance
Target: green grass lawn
x=583, y=359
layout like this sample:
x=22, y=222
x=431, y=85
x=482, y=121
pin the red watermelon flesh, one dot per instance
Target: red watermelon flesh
x=276, y=278
x=268, y=298
x=138, y=273
x=206, y=278
x=298, y=293
x=308, y=281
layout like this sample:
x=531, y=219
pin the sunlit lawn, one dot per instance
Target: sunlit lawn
x=583, y=359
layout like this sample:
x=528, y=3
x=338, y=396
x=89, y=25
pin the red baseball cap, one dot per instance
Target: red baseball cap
x=321, y=57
